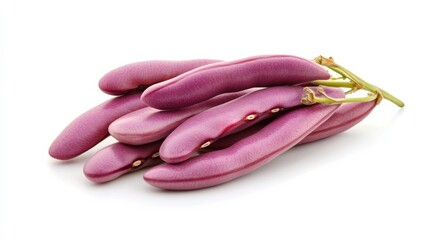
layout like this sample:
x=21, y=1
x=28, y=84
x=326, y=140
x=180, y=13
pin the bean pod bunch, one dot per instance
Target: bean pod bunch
x=201, y=123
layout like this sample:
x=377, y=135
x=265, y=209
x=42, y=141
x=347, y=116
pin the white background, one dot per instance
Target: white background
x=368, y=183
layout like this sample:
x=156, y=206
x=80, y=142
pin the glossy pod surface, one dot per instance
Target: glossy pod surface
x=205, y=82
x=139, y=75
x=206, y=127
x=246, y=155
x=118, y=159
x=150, y=124
x=91, y=127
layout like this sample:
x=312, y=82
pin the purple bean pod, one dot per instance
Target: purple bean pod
x=245, y=156
x=118, y=159
x=347, y=116
x=206, y=127
x=208, y=81
x=150, y=124
x=91, y=127
x=140, y=75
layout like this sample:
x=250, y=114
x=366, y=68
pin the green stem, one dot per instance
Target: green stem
x=392, y=98
x=334, y=83
x=359, y=82
x=344, y=100
x=311, y=98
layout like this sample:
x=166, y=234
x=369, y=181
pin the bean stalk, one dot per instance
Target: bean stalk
x=354, y=82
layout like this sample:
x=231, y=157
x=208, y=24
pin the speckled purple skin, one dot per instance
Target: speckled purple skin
x=225, y=119
x=245, y=156
x=139, y=75
x=91, y=127
x=347, y=116
x=116, y=160
x=150, y=124
x=208, y=81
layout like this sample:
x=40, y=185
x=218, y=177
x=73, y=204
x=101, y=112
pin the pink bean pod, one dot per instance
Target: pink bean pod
x=205, y=82
x=243, y=157
x=347, y=116
x=206, y=127
x=91, y=127
x=118, y=159
x=150, y=124
x=139, y=75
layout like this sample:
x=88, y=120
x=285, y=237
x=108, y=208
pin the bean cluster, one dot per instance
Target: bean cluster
x=200, y=123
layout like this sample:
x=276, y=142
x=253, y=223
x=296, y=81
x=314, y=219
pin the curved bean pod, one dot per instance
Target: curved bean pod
x=139, y=75
x=205, y=82
x=206, y=127
x=150, y=124
x=347, y=116
x=91, y=127
x=248, y=154
x=118, y=159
